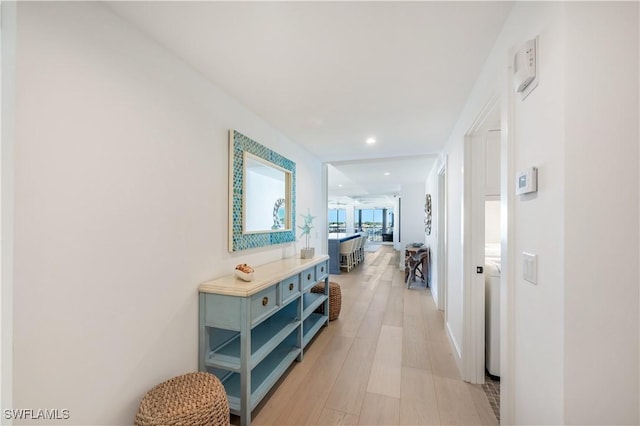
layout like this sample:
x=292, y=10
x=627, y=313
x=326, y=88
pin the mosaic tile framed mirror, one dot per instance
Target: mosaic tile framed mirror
x=262, y=195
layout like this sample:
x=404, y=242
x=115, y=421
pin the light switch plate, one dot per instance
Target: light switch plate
x=530, y=267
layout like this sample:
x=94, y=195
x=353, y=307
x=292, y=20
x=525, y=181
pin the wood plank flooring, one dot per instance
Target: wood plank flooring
x=385, y=361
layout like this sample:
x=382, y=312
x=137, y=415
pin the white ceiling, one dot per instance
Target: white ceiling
x=330, y=74
x=366, y=182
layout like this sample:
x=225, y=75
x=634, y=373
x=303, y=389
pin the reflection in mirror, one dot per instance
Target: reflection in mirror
x=279, y=214
x=265, y=196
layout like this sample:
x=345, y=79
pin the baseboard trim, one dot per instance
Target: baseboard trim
x=457, y=353
x=434, y=292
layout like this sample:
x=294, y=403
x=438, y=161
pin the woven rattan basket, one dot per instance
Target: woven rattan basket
x=193, y=399
x=335, y=299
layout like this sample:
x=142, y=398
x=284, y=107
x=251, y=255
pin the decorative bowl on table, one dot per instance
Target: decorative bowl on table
x=244, y=272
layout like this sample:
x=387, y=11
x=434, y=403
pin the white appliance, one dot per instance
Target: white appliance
x=492, y=308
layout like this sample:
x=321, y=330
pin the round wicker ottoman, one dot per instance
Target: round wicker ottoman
x=193, y=399
x=335, y=299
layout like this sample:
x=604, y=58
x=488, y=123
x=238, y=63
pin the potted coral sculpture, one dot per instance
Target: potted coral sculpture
x=307, y=252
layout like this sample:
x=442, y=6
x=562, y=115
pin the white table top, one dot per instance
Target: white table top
x=264, y=276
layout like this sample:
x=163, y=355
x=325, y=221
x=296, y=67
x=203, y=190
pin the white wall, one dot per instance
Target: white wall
x=538, y=141
x=412, y=213
x=454, y=298
x=492, y=222
x=601, y=208
x=576, y=127
x=8, y=64
x=539, y=228
x=120, y=208
x=350, y=218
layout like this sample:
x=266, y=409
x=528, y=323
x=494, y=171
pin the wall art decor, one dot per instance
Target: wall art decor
x=427, y=215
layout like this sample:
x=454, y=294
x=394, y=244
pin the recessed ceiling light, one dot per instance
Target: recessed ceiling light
x=339, y=185
x=371, y=141
x=387, y=173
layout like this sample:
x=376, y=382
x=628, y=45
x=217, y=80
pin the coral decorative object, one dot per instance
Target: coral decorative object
x=244, y=272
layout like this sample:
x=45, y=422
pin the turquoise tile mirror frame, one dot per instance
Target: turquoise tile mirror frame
x=262, y=195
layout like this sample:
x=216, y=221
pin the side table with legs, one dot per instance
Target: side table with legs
x=416, y=264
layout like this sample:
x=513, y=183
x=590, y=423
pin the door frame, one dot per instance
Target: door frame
x=473, y=346
x=442, y=236
x=506, y=99
x=507, y=257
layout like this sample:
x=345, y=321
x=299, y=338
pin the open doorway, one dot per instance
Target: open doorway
x=492, y=267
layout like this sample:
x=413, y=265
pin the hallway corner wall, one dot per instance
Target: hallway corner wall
x=576, y=349
x=538, y=388
x=601, y=209
x=121, y=209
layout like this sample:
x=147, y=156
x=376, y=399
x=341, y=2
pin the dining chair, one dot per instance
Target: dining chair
x=357, y=250
x=347, y=259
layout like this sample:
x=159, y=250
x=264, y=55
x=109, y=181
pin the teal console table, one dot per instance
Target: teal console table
x=251, y=332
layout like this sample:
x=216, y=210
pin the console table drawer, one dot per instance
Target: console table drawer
x=308, y=278
x=222, y=311
x=263, y=304
x=289, y=289
x=322, y=270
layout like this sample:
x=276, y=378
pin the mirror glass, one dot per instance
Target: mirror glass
x=262, y=195
x=266, y=204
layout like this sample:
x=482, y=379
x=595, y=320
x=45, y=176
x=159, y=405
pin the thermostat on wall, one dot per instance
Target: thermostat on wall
x=527, y=181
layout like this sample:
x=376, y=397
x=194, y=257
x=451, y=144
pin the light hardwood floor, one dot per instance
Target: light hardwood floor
x=384, y=361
